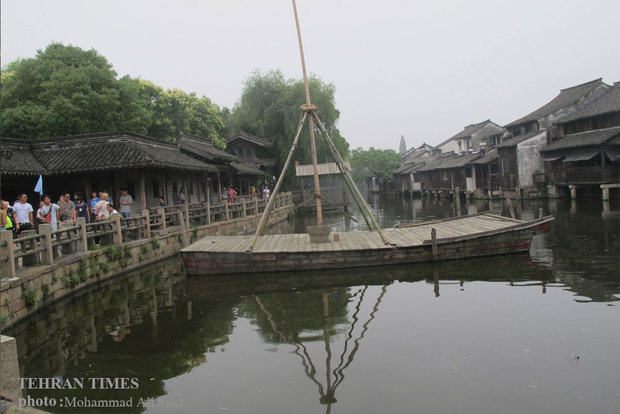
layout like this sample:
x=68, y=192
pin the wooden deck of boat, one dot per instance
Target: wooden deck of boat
x=359, y=240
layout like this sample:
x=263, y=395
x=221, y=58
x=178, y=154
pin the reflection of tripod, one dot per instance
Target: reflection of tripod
x=333, y=378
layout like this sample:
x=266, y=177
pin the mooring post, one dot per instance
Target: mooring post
x=434, y=240
x=7, y=255
x=82, y=242
x=147, y=223
x=47, y=256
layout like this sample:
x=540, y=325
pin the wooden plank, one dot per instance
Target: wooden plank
x=230, y=243
x=354, y=241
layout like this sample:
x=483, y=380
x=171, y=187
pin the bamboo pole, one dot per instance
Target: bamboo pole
x=310, y=108
x=340, y=163
x=270, y=203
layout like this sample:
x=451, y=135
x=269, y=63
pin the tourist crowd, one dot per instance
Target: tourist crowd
x=21, y=216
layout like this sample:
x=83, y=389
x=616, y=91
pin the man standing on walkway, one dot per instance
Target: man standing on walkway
x=22, y=214
x=125, y=201
x=50, y=213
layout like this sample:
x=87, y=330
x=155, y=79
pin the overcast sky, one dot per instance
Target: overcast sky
x=418, y=68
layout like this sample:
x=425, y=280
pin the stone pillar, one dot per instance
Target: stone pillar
x=142, y=189
x=82, y=242
x=47, y=256
x=182, y=229
x=573, y=192
x=162, y=217
x=147, y=223
x=243, y=207
x=186, y=214
x=7, y=255
x=31, y=259
x=255, y=201
x=11, y=387
x=605, y=191
x=226, y=212
x=117, y=236
x=208, y=213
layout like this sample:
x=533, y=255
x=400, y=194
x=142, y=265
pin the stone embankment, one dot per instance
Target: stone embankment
x=44, y=267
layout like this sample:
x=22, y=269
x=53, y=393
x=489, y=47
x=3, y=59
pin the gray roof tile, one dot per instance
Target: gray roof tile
x=607, y=103
x=566, y=98
x=584, y=139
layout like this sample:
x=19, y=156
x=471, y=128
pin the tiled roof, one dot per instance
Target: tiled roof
x=487, y=158
x=566, y=98
x=584, y=139
x=245, y=169
x=468, y=131
x=449, y=161
x=203, y=148
x=607, y=103
x=16, y=158
x=106, y=151
x=267, y=162
x=262, y=142
x=519, y=139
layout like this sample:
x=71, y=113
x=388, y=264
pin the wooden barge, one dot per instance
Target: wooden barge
x=477, y=235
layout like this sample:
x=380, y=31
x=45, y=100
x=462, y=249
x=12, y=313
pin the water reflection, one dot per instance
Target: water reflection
x=339, y=336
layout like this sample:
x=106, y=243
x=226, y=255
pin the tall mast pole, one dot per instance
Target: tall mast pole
x=308, y=107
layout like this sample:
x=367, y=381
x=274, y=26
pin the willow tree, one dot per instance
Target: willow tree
x=269, y=107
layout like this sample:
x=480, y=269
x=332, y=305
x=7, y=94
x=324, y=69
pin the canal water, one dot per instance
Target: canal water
x=536, y=333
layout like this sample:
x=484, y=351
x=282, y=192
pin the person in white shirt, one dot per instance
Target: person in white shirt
x=22, y=214
x=49, y=212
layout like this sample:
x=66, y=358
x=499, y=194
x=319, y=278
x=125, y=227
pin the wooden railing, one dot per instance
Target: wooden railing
x=43, y=247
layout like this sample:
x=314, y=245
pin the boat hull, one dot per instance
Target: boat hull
x=514, y=239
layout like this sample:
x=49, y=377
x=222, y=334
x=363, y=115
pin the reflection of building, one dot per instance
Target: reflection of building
x=141, y=317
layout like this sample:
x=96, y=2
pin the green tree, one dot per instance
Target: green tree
x=373, y=163
x=270, y=107
x=175, y=111
x=65, y=90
